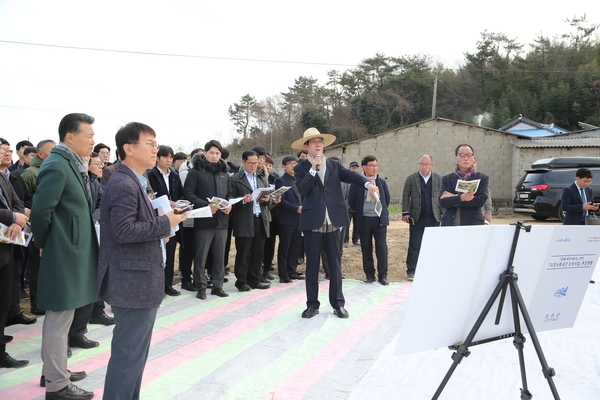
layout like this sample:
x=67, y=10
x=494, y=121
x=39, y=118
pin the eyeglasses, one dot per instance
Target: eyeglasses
x=149, y=144
x=250, y=163
x=425, y=164
x=104, y=153
x=98, y=164
x=316, y=141
x=291, y=163
x=465, y=155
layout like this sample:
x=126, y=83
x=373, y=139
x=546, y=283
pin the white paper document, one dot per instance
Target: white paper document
x=279, y=192
x=222, y=204
x=378, y=205
x=203, y=212
x=261, y=192
x=163, y=206
x=467, y=186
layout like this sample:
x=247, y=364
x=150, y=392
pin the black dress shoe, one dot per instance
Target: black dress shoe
x=82, y=342
x=171, y=292
x=285, y=280
x=75, y=377
x=225, y=280
x=201, y=294
x=9, y=362
x=369, y=280
x=244, y=288
x=219, y=292
x=209, y=283
x=297, y=277
x=37, y=311
x=189, y=286
x=310, y=312
x=262, y=285
x=70, y=392
x=8, y=338
x=268, y=275
x=299, y=273
x=341, y=312
x=20, y=319
x=102, y=319
x=384, y=282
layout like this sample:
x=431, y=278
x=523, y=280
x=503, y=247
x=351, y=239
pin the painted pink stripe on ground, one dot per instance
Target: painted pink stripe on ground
x=166, y=363
x=26, y=334
x=327, y=358
x=26, y=389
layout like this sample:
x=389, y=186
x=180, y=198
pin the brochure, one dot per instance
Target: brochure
x=22, y=239
x=467, y=186
x=279, y=192
x=222, y=204
x=261, y=192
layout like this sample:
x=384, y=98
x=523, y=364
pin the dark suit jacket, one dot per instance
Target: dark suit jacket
x=316, y=195
x=14, y=204
x=470, y=211
x=290, y=201
x=572, y=204
x=243, y=213
x=411, y=196
x=356, y=199
x=131, y=268
x=157, y=182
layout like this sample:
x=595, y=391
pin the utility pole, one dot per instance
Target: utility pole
x=434, y=96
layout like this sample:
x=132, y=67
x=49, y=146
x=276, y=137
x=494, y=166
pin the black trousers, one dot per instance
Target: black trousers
x=372, y=230
x=287, y=253
x=187, y=252
x=80, y=320
x=416, y=231
x=34, y=273
x=15, y=300
x=7, y=272
x=249, y=255
x=269, y=252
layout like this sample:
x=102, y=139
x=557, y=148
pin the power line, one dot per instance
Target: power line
x=146, y=53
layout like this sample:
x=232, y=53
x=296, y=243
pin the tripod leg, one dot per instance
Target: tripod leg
x=463, y=349
x=546, y=370
x=518, y=341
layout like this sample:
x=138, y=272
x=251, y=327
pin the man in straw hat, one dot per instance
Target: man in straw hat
x=323, y=213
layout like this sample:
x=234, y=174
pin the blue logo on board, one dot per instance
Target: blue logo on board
x=562, y=292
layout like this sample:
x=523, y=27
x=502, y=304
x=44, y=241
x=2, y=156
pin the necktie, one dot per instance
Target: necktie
x=581, y=192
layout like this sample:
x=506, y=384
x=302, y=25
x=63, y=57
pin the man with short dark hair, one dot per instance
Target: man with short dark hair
x=250, y=224
x=130, y=270
x=370, y=225
x=166, y=182
x=63, y=228
x=463, y=208
x=207, y=179
x=20, y=148
x=12, y=215
x=577, y=199
x=103, y=152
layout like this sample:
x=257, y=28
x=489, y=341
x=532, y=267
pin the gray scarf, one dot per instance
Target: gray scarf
x=82, y=165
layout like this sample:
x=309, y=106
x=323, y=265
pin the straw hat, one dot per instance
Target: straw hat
x=312, y=133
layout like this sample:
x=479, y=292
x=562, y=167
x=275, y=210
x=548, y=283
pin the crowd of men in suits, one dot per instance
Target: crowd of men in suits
x=97, y=235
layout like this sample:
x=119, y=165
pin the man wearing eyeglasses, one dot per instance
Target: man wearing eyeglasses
x=132, y=259
x=103, y=152
x=461, y=207
x=420, y=208
x=324, y=212
x=250, y=224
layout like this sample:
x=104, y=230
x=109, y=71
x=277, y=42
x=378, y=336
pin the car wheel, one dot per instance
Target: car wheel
x=539, y=217
x=561, y=213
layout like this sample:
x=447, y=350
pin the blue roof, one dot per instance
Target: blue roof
x=532, y=133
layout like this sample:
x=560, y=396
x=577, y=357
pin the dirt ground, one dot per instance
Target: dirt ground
x=397, y=240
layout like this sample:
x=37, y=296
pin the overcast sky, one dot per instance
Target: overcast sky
x=223, y=51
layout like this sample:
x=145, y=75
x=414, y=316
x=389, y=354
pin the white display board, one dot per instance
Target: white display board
x=459, y=267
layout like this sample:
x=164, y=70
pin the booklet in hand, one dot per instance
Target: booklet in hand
x=467, y=186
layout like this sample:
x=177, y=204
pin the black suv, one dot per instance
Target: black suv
x=539, y=191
